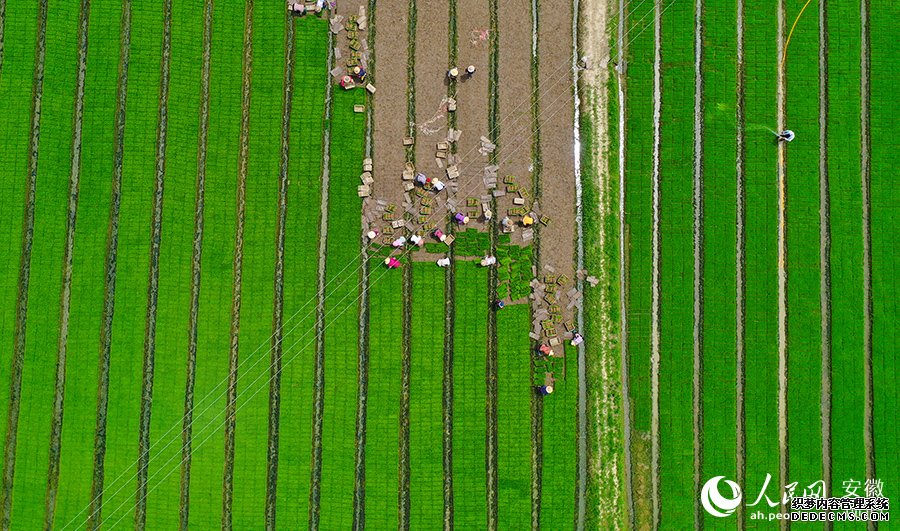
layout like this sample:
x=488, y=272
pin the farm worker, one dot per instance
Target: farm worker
x=439, y=235
x=488, y=214
x=320, y=5
x=786, y=136
x=391, y=262
x=416, y=239
x=461, y=218
x=399, y=242
x=488, y=261
x=527, y=221
x=470, y=70
x=500, y=305
x=347, y=83
x=298, y=8
x=360, y=73
x=443, y=262
x=546, y=389
x=545, y=349
x=372, y=234
x=421, y=179
x=438, y=185
x=577, y=339
x=453, y=73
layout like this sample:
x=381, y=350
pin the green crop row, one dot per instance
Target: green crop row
x=132, y=265
x=676, y=432
x=803, y=264
x=471, y=303
x=79, y=420
x=383, y=410
x=301, y=270
x=173, y=307
x=342, y=318
x=761, y=263
x=42, y=332
x=885, y=198
x=847, y=313
x=216, y=271
x=426, y=421
x=719, y=215
x=638, y=209
x=514, y=395
x=559, y=449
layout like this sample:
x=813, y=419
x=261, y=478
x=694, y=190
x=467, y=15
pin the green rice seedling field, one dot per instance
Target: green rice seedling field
x=193, y=335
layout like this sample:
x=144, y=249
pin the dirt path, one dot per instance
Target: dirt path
x=109, y=289
x=68, y=254
x=781, y=95
x=825, y=242
x=655, y=288
x=2, y=31
x=740, y=247
x=449, y=308
x=196, y=256
x=697, y=380
x=140, y=515
x=237, y=266
x=866, y=171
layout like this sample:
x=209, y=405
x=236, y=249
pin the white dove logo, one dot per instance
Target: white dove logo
x=714, y=503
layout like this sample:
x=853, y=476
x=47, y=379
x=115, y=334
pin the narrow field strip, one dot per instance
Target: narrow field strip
x=637, y=239
x=76, y=465
x=781, y=198
x=123, y=414
x=469, y=423
x=761, y=250
x=301, y=247
x=655, y=268
x=67, y=265
x=276, y=350
x=740, y=340
x=196, y=271
x=846, y=202
x=341, y=336
x=885, y=77
x=19, y=32
x=248, y=507
x=237, y=266
x=514, y=391
x=558, y=473
x=824, y=242
x=491, y=449
x=32, y=401
x=207, y=462
x=27, y=239
x=804, y=332
x=383, y=409
x=427, y=346
x=537, y=405
x=162, y=507
x=162, y=131
x=676, y=226
x=404, y=461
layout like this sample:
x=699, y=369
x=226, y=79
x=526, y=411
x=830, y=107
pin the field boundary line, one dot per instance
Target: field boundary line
x=866, y=177
x=237, y=267
x=278, y=299
x=491, y=366
x=196, y=256
x=18, y=362
x=2, y=31
x=655, y=274
x=68, y=256
x=319, y=365
x=449, y=306
x=537, y=404
x=404, y=463
x=781, y=169
x=699, y=255
x=140, y=515
x=825, y=244
x=740, y=243
x=621, y=85
x=109, y=290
